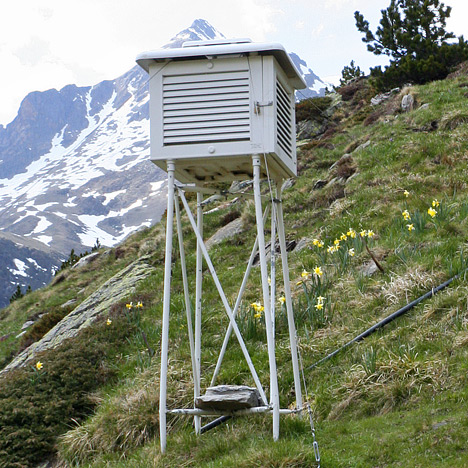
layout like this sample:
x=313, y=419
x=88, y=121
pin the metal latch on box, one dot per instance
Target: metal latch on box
x=259, y=105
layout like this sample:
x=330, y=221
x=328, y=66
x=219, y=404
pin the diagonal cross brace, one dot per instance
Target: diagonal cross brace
x=223, y=299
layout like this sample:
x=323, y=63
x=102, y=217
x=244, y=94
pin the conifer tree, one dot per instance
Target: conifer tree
x=413, y=33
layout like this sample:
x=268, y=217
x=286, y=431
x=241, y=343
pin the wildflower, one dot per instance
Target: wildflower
x=431, y=212
x=318, y=243
x=129, y=306
x=109, y=321
x=305, y=274
x=39, y=365
x=319, y=306
x=269, y=281
x=331, y=249
x=318, y=271
x=343, y=237
x=351, y=252
x=363, y=233
x=406, y=215
x=282, y=300
x=435, y=203
x=320, y=299
x=257, y=306
x=139, y=305
x=336, y=241
x=258, y=315
x=370, y=233
x=410, y=227
x=406, y=193
x=351, y=233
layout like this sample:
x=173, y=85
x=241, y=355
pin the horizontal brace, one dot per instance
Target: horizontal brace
x=255, y=410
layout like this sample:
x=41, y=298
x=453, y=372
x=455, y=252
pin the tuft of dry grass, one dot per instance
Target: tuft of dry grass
x=401, y=285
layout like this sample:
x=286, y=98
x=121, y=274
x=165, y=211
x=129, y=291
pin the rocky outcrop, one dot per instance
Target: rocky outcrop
x=116, y=289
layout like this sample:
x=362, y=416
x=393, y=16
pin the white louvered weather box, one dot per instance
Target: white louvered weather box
x=213, y=104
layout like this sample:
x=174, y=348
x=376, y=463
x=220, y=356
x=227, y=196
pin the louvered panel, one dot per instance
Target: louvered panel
x=206, y=107
x=283, y=120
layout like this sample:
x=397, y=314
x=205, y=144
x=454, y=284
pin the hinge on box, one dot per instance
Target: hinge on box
x=258, y=105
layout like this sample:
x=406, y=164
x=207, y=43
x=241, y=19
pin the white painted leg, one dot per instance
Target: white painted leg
x=188, y=311
x=198, y=306
x=274, y=394
x=287, y=295
x=166, y=305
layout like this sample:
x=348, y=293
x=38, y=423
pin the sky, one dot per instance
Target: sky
x=48, y=44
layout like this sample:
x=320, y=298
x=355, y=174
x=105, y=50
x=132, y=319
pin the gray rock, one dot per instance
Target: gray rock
x=301, y=245
x=116, y=289
x=228, y=397
x=424, y=106
x=380, y=98
x=85, y=260
x=68, y=303
x=368, y=269
x=226, y=232
x=320, y=184
x=363, y=146
x=27, y=324
x=407, y=103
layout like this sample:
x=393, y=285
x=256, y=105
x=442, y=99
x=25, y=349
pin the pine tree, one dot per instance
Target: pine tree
x=17, y=295
x=413, y=33
x=350, y=72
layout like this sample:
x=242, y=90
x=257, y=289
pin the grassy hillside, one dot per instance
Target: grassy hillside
x=377, y=186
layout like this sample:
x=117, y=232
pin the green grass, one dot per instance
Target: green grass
x=399, y=398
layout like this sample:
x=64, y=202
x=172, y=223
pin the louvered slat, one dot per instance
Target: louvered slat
x=206, y=107
x=283, y=120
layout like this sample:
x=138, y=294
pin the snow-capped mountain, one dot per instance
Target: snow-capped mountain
x=74, y=168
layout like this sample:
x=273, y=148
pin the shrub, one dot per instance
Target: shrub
x=38, y=403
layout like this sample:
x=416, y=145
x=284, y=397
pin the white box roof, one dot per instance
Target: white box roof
x=223, y=48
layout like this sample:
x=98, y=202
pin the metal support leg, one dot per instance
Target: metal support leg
x=188, y=309
x=198, y=307
x=166, y=305
x=287, y=295
x=274, y=394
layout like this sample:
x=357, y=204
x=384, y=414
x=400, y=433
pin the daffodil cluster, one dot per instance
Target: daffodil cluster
x=320, y=303
x=258, y=308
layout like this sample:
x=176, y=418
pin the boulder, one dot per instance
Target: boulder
x=226, y=232
x=407, y=103
x=228, y=397
x=116, y=289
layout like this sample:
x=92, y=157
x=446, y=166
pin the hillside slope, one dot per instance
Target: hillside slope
x=381, y=206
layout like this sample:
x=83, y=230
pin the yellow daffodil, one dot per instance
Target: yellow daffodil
x=351, y=252
x=129, y=306
x=320, y=299
x=39, y=365
x=305, y=274
x=257, y=307
x=435, y=203
x=258, y=315
x=318, y=243
x=319, y=306
x=406, y=193
x=139, y=305
x=318, y=271
x=370, y=233
x=363, y=233
x=282, y=300
x=331, y=249
x=431, y=212
x=351, y=233
x=343, y=237
x=336, y=241
x=109, y=321
x=406, y=215
x=410, y=227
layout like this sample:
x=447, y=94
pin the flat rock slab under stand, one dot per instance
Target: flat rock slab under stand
x=228, y=397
